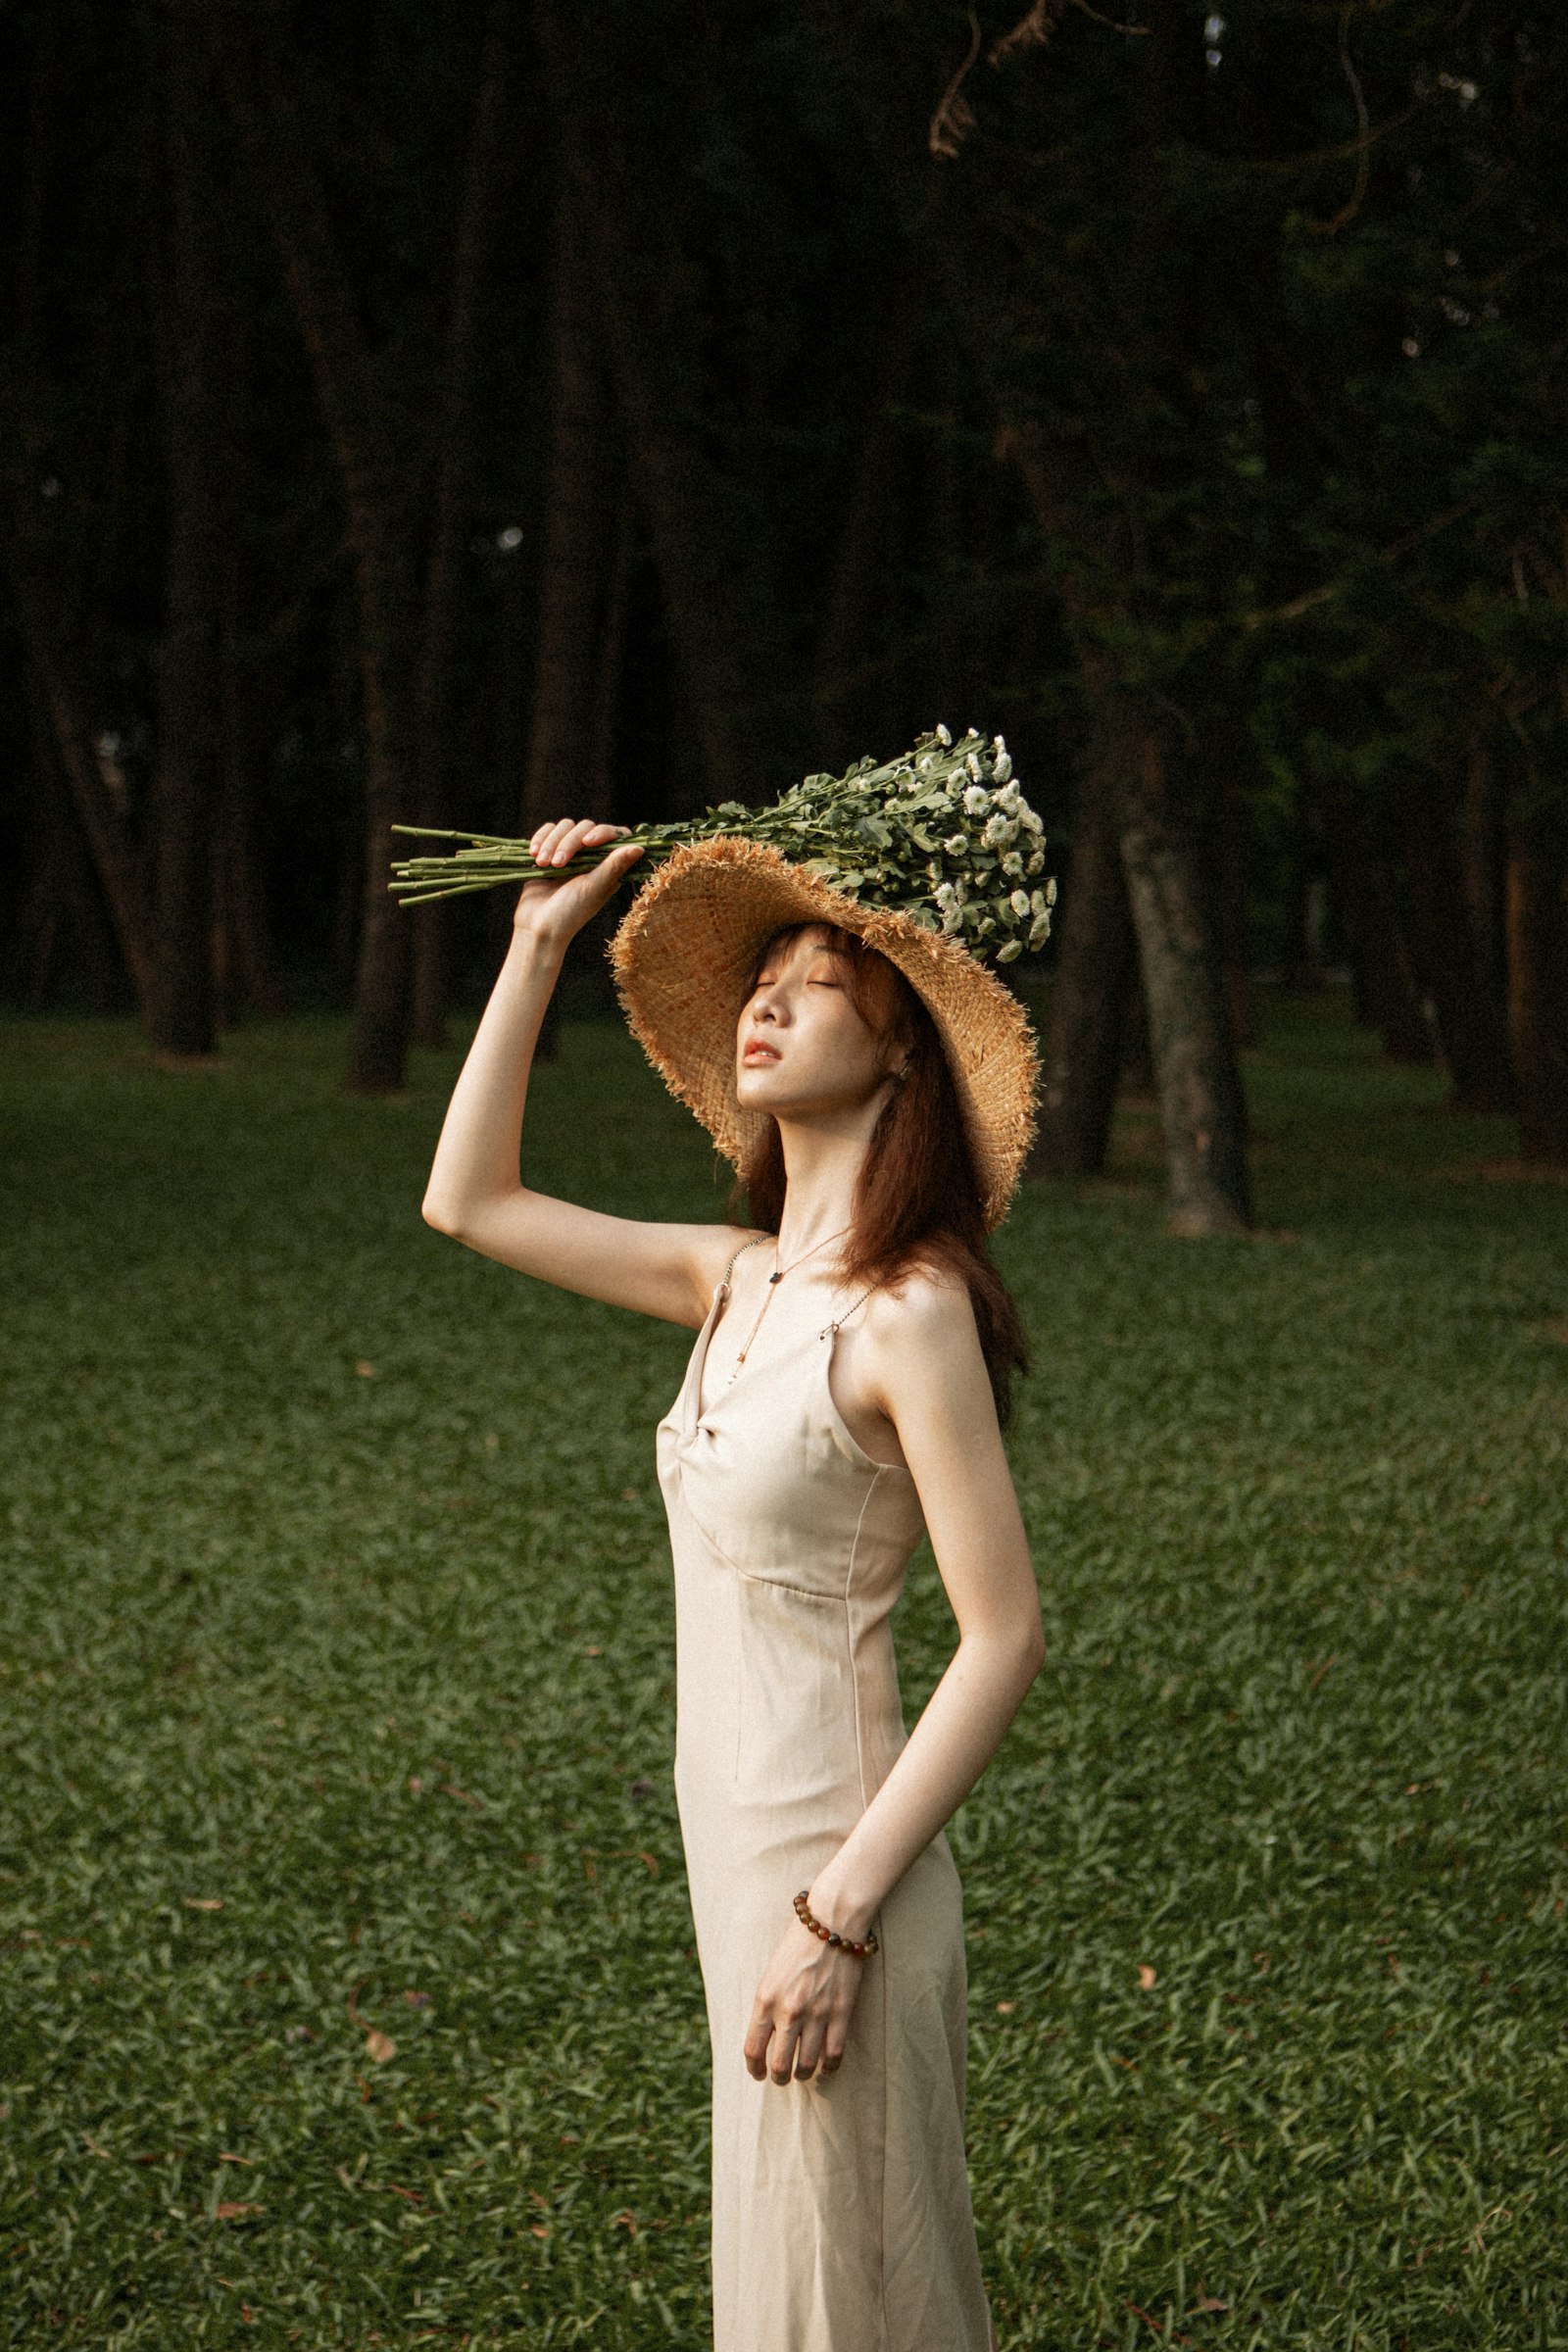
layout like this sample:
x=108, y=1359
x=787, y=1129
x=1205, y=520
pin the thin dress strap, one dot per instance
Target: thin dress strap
x=723, y=1285
x=828, y=1328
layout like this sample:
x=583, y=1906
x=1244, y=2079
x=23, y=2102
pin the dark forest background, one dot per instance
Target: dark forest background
x=470, y=415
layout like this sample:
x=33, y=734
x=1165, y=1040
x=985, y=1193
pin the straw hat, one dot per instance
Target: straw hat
x=686, y=949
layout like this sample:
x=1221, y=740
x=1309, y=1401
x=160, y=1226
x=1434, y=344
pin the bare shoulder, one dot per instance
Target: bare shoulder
x=929, y=1307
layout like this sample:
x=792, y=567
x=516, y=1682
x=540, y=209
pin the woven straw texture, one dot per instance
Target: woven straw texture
x=684, y=952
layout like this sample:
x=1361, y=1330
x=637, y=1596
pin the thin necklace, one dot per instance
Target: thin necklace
x=773, y=1282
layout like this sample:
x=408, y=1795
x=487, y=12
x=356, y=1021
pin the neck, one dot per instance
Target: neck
x=822, y=1161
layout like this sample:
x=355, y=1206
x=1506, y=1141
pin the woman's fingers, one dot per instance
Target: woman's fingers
x=558, y=841
x=757, y=2035
x=781, y=2057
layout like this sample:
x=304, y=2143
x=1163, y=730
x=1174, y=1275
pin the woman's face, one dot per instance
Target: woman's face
x=801, y=1046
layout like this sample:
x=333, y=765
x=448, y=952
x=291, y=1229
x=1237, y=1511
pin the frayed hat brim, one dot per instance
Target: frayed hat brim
x=686, y=947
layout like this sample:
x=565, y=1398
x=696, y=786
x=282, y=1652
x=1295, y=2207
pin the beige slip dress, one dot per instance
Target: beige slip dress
x=841, y=2219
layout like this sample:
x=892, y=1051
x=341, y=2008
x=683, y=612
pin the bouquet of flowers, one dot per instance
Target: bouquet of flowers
x=942, y=834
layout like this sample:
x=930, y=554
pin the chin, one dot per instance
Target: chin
x=752, y=1090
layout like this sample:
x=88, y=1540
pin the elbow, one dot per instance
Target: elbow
x=1032, y=1650
x=437, y=1214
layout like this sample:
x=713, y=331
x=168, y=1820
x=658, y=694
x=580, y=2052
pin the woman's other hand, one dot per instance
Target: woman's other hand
x=555, y=912
x=802, y=2008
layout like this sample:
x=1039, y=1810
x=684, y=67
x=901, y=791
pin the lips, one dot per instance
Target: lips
x=757, y=1052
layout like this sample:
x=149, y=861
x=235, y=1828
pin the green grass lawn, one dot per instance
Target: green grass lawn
x=350, y=1995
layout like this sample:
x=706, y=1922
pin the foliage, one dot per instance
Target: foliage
x=943, y=834
x=337, y=1656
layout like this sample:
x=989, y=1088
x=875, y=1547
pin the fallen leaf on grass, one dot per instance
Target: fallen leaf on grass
x=365, y=1371
x=202, y=1902
x=416, y=2000
x=227, y=2156
x=1145, y=1977
x=379, y=2046
x=233, y=2210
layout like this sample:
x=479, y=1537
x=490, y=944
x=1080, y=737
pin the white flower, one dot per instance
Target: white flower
x=1037, y=861
x=977, y=799
x=946, y=896
x=1013, y=864
x=1019, y=901
x=1009, y=797
x=1005, y=954
x=942, y=733
x=1040, y=931
x=956, y=844
x=1038, y=903
x=972, y=764
x=1051, y=892
x=999, y=830
x=1028, y=819
x=1004, y=762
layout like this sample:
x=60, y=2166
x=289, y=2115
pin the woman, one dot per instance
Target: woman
x=872, y=1081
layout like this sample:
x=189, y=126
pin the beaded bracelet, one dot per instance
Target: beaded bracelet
x=845, y=1944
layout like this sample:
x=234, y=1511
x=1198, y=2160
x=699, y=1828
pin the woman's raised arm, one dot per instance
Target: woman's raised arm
x=476, y=1193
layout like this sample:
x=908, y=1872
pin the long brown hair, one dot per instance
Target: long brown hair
x=916, y=1198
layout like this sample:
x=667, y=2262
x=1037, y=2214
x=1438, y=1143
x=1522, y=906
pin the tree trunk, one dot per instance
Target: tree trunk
x=1230, y=904
x=456, y=467
x=1137, y=1051
x=580, y=524
x=63, y=926
x=602, y=796
x=378, y=470
x=1443, y=947
x=653, y=312
x=1089, y=990
x=185, y=783
x=244, y=967
x=112, y=850
x=704, y=532
x=1202, y=1108
x=848, y=631
x=1483, y=851
x=1387, y=998
x=1537, y=916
